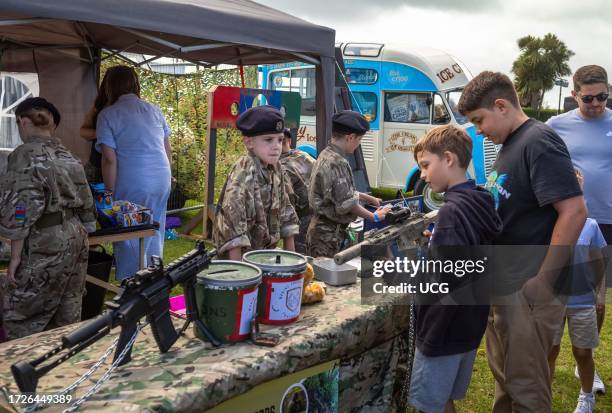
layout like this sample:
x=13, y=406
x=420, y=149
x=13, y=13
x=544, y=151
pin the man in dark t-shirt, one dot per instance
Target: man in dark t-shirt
x=540, y=203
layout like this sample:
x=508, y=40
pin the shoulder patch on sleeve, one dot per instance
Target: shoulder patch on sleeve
x=20, y=211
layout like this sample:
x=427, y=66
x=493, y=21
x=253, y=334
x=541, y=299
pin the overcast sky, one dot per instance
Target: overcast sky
x=482, y=34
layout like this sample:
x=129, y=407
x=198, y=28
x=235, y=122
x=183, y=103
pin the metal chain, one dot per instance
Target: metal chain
x=106, y=375
x=88, y=374
x=80, y=380
x=411, y=349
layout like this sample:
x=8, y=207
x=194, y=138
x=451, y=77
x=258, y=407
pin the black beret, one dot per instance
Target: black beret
x=38, y=103
x=260, y=120
x=349, y=121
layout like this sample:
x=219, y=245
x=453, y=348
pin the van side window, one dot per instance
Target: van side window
x=440, y=113
x=366, y=103
x=361, y=76
x=407, y=107
x=297, y=80
x=281, y=80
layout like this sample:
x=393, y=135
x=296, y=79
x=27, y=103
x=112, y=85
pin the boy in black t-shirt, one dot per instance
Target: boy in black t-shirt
x=540, y=203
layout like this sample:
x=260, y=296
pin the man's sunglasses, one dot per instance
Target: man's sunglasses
x=602, y=97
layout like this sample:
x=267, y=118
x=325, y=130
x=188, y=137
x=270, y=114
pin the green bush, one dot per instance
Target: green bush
x=542, y=116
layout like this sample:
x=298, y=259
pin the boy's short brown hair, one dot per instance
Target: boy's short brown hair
x=589, y=75
x=446, y=138
x=484, y=89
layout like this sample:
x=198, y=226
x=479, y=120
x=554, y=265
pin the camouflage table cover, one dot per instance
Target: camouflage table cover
x=193, y=376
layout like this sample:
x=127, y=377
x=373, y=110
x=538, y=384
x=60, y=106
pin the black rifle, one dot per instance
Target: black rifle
x=404, y=227
x=147, y=293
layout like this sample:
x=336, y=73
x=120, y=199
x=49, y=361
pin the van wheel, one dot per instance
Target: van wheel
x=431, y=200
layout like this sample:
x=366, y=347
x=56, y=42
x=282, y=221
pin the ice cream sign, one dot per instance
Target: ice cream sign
x=449, y=73
x=397, y=76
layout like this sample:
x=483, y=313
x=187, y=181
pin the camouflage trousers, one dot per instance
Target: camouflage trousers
x=324, y=239
x=300, y=239
x=50, y=280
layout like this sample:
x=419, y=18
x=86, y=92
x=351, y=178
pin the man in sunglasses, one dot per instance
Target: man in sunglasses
x=587, y=132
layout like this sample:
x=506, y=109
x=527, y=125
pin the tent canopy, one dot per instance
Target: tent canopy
x=209, y=31
x=61, y=41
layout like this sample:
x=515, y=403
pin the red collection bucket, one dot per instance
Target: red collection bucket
x=280, y=292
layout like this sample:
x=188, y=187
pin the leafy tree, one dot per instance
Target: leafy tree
x=541, y=62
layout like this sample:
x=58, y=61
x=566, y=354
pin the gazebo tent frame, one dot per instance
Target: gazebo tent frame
x=62, y=42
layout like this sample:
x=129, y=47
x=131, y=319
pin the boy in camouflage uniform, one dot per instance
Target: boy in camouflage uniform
x=254, y=211
x=333, y=198
x=297, y=166
x=44, y=204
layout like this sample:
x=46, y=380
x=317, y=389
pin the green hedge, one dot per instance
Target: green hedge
x=543, y=116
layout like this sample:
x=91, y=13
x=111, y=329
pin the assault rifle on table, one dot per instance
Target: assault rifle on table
x=403, y=227
x=147, y=293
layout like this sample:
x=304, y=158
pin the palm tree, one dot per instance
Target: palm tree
x=541, y=62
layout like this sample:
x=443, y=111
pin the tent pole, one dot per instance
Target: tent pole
x=151, y=38
x=188, y=49
x=116, y=52
x=234, y=59
x=241, y=67
x=18, y=22
x=306, y=58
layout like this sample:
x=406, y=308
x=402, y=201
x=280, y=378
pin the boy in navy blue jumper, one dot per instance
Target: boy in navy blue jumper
x=448, y=335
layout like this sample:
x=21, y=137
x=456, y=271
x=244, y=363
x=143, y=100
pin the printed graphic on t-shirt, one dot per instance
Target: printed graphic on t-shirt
x=495, y=185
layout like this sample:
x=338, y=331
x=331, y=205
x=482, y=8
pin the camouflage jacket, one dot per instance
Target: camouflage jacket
x=297, y=166
x=254, y=210
x=42, y=177
x=332, y=191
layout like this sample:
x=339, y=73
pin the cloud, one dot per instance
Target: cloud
x=482, y=38
x=562, y=11
x=567, y=11
x=353, y=9
x=467, y=6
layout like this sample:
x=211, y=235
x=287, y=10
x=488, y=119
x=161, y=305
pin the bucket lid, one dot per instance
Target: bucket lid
x=225, y=273
x=277, y=261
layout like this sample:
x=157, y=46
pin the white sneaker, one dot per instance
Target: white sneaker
x=598, y=384
x=586, y=403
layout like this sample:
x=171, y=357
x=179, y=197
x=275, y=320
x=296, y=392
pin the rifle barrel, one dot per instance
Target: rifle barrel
x=88, y=330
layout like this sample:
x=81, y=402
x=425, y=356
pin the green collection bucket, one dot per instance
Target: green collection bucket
x=226, y=294
x=280, y=294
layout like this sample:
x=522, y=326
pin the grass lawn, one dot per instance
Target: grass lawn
x=565, y=387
